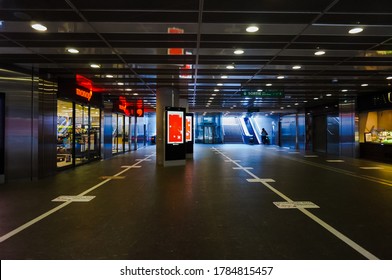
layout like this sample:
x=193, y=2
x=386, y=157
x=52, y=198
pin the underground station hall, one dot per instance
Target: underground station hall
x=196, y=130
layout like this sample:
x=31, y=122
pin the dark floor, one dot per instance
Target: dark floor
x=207, y=209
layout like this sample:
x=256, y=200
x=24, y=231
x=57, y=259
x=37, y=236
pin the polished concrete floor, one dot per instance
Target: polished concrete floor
x=228, y=202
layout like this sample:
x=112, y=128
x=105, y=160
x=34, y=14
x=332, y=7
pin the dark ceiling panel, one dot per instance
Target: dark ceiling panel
x=137, y=5
x=39, y=15
x=365, y=6
x=365, y=19
x=140, y=16
x=226, y=17
x=267, y=5
x=28, y=4
x=341, y=39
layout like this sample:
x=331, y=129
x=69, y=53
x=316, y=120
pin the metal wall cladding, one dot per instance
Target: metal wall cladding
x=292, y=132
x=21, y=116
x=47, y=128
x=348, y=128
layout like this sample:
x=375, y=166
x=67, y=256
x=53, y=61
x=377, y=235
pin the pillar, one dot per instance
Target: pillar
x=166, y=96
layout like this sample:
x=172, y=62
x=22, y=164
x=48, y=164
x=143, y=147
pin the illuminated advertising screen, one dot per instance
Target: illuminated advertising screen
x=175, y=127
x=188, y=128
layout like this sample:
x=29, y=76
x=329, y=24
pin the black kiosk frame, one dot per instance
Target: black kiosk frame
x=189, y=135
x=2, y=137
x=175, y=148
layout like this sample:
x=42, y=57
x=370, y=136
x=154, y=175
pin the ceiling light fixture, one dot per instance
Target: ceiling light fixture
x=39, y=27
x=219, y=84
x=120, y=83
x=344, y=90
x=296, y=67
x=95, y=65
x=72, y=50
x=238, y=51
x=280, y=77
x=252, y=29
x=216, y=89
x=364, y=85
x=355, y=30
x=230, y=67
x=389, y=78
x=319, y=53
x=268, y=85
x=224, y=77
x=109, y=76
x=259, y=90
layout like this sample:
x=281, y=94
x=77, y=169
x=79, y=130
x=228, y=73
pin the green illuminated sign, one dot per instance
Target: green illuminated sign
x=263, y=93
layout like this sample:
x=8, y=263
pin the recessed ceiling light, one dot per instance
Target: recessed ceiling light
x=364, y=85
x=296, y=67
x=281, y=108
x=280, y=77
x=224, y=77
x=109, y=76
x=268, y=85
x=214, y=94
x=95, y=65
x=128, y=89
x=219, y=84
x=136, y=93
x=72, y=50
x=305, y=101
x=344, y=90
x=230, y=67
x=389, y=78
x=328, y=94
x=355, y=30
x=39, y=27
x=316, y=98
x=252, y=29
x=238, y=51
x=319, y=53
x=259, y=90
x=296, y=104
x=216, y=89
x=120, y=83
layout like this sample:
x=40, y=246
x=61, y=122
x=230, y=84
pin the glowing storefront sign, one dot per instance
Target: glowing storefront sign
x=84, y=93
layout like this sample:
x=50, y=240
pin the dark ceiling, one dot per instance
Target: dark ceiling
x=130, y=41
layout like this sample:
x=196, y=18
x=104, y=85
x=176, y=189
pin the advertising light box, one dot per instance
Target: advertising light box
x=175, y=125
x=188, y=127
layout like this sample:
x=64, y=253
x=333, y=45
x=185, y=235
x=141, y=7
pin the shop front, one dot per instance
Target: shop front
x=78, y=123
x=375, y=126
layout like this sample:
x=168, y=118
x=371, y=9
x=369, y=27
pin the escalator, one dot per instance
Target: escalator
x=250, y=135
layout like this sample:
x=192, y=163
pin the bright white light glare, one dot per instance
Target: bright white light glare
x=230, y=66
x=355, y=30
x=109, y=76
x=39, y=27
x=328, y=94
x=268, y=85
x=216, y=89
x=344, y=90
x=259, y=90
x=296, y=67
x=364, y=85
x=128, y=89
x=219, y=84
x=136, y=93
x=238, y=51
x=319, y=53
x=95, y=65
x=280, y=77
x=224, y=77
x=316, y=98
x=389, y=78
x=72, y=50
x=120, y=83
x=252, y=29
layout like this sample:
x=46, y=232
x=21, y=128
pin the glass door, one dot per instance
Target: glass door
x=208, y=134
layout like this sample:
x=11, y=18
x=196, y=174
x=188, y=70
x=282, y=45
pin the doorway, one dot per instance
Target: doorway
x=208, y=134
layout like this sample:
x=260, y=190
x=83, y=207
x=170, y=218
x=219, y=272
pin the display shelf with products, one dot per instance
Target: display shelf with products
x=379, y=137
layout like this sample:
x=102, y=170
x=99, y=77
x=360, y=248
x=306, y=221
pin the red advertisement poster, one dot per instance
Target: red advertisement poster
x=188, y=127
x=175, y=124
